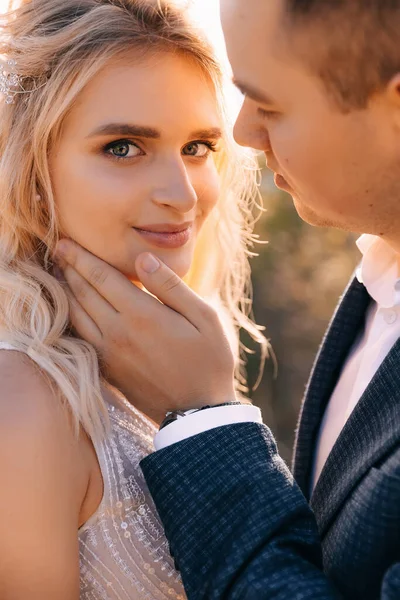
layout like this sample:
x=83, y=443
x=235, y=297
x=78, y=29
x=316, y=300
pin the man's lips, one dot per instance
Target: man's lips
x=281, y=183
x=166, y=235
x=279, y=179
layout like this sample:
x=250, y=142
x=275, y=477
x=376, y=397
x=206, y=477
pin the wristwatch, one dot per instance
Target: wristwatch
x=175, y=415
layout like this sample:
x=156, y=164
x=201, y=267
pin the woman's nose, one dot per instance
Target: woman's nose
x=250, y=131
x=175, y=189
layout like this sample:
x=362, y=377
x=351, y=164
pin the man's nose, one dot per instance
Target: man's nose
x=175, y=189
x=250, y=131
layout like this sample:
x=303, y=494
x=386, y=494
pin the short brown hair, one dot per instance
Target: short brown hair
x=358, y=48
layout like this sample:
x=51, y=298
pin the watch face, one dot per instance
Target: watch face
x=171, y=417
x=174, y=415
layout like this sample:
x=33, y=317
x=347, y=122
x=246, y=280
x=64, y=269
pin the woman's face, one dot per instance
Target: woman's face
x=133, y=170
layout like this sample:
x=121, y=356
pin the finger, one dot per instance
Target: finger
x=82, y=323
x=97, y=307
x=161, y=281
x=114, y=287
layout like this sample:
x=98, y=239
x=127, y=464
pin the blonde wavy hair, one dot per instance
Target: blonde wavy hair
x=59, y=46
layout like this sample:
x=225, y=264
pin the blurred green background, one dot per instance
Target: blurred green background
x=298, y=279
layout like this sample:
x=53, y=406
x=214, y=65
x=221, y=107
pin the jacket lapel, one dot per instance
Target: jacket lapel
x=344, y=327
x=370, y=433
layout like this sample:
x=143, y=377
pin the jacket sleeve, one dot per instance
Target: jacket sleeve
x=238, y=525
x=391, y=583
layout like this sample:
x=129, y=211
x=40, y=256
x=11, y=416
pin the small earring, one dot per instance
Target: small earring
x=38, y=198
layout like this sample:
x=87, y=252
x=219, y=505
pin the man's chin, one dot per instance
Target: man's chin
x=310, y=216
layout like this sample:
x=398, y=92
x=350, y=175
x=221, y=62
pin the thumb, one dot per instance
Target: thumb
x=169, y=288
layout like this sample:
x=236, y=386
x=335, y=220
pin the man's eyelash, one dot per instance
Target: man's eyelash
x=266, y=114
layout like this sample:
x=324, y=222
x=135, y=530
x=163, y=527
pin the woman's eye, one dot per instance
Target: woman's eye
x=123, y=149
x=199, y=149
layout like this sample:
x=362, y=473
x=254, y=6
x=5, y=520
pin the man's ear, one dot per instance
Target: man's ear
x=388, y=100
x=392, y=96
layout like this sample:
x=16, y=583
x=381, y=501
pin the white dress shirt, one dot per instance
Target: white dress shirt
x=379, y=271
x=204, y=420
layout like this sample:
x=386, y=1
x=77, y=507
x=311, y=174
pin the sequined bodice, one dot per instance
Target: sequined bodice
x=124, y=553
x=123, y=550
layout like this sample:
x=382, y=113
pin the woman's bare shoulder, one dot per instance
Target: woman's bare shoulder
x=18, y=371
x=35, y=422
x=28, y=396
x=35, y=416
x=41, y=482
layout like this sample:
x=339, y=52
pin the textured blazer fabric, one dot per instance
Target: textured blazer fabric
x=240, y=526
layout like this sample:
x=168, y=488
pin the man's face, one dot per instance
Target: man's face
x=340, y=169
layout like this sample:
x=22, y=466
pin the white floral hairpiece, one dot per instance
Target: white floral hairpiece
x=10, y=81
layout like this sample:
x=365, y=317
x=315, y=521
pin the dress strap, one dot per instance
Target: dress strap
x=5, y=346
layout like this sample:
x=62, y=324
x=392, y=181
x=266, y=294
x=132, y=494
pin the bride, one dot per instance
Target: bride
x=113, y=132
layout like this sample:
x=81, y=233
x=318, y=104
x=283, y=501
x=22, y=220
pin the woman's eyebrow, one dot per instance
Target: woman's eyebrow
x=214, y=133
x=141, y=131
x=125, y=129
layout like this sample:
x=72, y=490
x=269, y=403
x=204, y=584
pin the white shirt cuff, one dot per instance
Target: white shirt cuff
x=204, y=420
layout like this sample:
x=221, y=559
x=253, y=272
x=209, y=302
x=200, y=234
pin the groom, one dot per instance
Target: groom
x=321, y=80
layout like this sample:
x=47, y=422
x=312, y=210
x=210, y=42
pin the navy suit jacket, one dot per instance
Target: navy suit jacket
x=240, y=526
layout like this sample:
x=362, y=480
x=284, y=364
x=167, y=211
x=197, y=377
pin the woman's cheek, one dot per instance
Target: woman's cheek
x=208, y=189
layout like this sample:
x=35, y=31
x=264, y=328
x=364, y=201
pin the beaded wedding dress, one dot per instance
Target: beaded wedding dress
x=124, y=554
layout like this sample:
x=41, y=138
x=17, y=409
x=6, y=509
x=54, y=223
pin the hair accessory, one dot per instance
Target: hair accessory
x=10, y=81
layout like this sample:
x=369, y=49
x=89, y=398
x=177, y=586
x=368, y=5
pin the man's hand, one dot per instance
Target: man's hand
x=164, y=354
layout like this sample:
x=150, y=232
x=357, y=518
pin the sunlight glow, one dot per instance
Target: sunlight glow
x=205, y=12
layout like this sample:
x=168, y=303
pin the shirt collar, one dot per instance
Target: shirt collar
x=379, y=270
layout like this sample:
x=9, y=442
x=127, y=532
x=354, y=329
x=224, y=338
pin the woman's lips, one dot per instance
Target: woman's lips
x=168, y=239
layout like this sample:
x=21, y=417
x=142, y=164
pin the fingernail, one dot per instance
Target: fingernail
x=58, y=274
x=61, y=248
x=150, y=264
x=58, y=260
